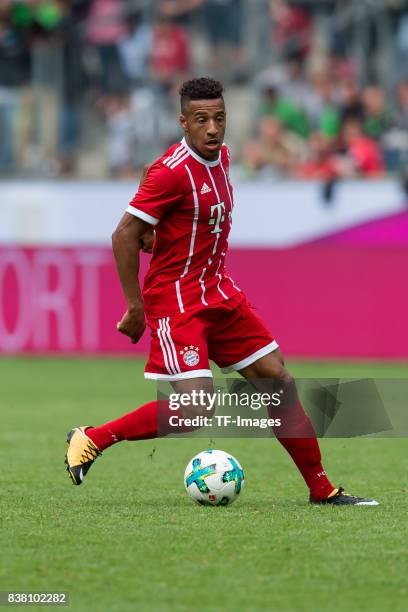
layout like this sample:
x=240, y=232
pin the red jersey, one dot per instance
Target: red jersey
x=189, y=200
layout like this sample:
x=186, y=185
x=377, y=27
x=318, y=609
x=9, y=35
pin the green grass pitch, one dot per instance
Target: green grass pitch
x=130, y=539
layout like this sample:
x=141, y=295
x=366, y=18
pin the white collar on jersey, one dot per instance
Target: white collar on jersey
x=200, y=159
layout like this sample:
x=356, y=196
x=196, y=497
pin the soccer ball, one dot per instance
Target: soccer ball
x=214, y=478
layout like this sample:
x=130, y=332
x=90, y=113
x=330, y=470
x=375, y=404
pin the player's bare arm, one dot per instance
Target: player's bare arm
x=126, y=241
x=131, y=235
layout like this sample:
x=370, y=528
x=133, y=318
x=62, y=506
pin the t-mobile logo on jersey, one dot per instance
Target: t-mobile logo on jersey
x=217, y=217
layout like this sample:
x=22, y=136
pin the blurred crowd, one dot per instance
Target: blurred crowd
x=89, y=87
x=318, y=117
x=326, y=126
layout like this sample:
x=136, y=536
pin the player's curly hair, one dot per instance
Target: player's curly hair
x=203, y=88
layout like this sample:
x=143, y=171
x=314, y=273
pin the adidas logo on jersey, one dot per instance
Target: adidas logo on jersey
x=205, y=189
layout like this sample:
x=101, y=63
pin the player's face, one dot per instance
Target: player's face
x=204, y=123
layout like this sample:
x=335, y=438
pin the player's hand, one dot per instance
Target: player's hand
x=133, y=324
x=147, y=240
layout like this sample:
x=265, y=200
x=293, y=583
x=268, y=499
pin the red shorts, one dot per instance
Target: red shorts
x=230, y=333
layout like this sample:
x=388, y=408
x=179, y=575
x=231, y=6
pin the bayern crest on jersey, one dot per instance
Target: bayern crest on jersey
x=190, y=355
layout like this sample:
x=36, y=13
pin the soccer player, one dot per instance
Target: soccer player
x=194, y=310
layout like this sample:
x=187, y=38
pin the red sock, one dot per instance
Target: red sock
x=149, y=421
x=304, y=449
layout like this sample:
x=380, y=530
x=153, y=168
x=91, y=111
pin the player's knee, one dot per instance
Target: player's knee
x=273, y=367
x=284, y=377
x=196, y=400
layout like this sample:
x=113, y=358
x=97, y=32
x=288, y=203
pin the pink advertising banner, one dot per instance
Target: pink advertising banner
x=320, y=300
